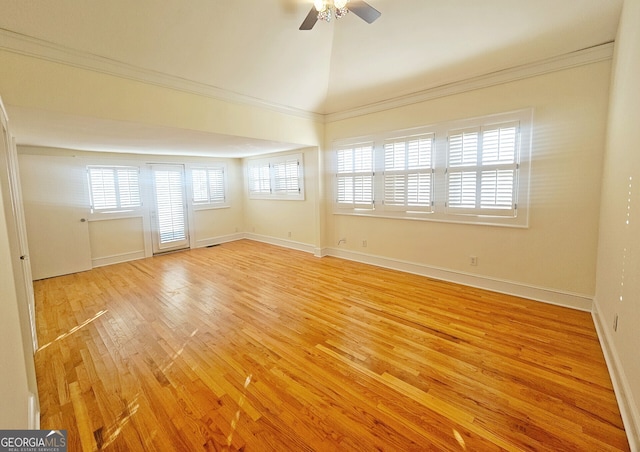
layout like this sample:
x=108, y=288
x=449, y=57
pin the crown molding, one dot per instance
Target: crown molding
x=582, y=57
x=38, y=48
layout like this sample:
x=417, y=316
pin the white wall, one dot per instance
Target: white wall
x=618, y=270
x=556, y=256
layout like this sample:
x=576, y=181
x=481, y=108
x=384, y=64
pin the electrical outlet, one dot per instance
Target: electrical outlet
x=343, y=240
x=364, y=243
x=473, y=260
x=289, y=234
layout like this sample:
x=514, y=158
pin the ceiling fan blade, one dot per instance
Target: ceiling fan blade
x=364, y=10
x=310, y=20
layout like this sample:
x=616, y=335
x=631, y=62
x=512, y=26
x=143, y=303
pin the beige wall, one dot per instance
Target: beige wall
x=618, y=271
x=558, y=250
x=33, y=83
x=120, y=239
x=277, y=218
x=116, y=237
x=215, y=224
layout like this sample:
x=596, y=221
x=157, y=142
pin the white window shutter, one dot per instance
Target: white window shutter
x=199, y=185
x=408, y=173
x=113, y=188
x=482, y=170
x=170, y=203
x=216, y=185
x=355, y=177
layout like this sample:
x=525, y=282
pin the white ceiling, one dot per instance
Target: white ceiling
x=253, y=48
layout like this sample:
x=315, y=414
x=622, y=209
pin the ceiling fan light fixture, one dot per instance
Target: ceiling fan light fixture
x=328, y=9
x=320, y=5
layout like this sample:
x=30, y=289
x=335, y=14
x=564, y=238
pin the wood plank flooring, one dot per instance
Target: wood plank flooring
x=247, y=346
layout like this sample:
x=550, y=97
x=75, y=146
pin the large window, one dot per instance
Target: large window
x=277, y=177
x=471, y=171
x=114, y=188
x=209, y=186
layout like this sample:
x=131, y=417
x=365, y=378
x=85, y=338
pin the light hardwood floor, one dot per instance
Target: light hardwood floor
x=247, y=346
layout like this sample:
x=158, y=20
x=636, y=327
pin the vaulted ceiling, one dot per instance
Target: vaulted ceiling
x=253, y=49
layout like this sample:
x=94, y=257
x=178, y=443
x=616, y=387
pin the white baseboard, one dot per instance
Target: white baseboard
x=624, y=396
x=552, y=296
x=34, y=412
x=281, y=242
x=117, y=258
x=202, y=243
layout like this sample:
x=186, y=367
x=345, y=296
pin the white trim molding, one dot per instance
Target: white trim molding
x=38, y=48
x=551, y=296
x=621, y=386
x=582, y=57
x=212, y=241
x=117, y=258
x=307, y=248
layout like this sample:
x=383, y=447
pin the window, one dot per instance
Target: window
x=278, y=177
x=408, y=173
x=469, y=171
x=260, y=179
x=355, y=176
x=482, y=170
x=209, y=186
x=114, y=188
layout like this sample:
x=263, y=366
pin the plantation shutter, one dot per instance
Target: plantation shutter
x=114, y=188
x=408, y=173
x=260, y=178
x=199, y=185
x=286, y=178
x=216, y=185
x=482, y=170
x=170, y=204
x=208, y=185
x=355, y=177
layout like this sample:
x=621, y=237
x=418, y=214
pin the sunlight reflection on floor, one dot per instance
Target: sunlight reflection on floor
x=73, y=330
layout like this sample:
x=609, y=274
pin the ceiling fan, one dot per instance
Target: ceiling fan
x=328, y=9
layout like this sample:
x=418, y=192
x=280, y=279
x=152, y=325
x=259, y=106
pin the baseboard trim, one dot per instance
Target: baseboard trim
x=117, y=258
x=281, y=242
x=202, y=243
x=551, y=296
x=34, y=412
x=622, y=390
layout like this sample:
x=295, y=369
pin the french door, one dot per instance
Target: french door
x=169, y=211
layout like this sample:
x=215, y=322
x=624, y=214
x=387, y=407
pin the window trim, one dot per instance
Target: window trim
x=439, y=211
x=268, y=165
